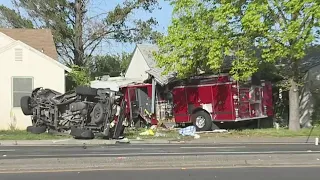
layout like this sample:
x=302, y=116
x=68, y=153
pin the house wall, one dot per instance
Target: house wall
x=4, y=40
x=137, y=67
x=43, y=72
x=309, y=97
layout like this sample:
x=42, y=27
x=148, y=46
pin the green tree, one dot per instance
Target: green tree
x=205, y=34
x=76, y=34
x=10, y=18
x=112, y=65
x=79, y=76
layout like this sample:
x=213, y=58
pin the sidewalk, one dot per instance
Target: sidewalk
x=242, y=140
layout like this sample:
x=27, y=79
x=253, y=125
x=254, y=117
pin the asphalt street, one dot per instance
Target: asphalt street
x=306, y=173
x=127, y=150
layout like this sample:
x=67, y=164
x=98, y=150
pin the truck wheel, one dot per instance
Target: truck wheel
x=97, y=114
x=81, y=133
x=36, y=129
x=202, y=121
x=25, y=105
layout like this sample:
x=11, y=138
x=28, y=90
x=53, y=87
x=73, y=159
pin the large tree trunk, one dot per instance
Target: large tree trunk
x=78, y=43
x=294, y=115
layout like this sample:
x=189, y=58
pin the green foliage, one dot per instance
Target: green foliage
x=112, y=65
x=78, y=76
x=77, y=31
x=207, y=34
x=13, y=19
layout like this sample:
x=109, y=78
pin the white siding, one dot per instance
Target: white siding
x=44, y=73
x=4, y=40
x=137, y=67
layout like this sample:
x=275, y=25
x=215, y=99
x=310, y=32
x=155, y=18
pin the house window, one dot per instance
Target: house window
x=18, y=54
x=21, y=86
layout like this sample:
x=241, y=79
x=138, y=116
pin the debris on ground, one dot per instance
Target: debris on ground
x=148, y=132
x=189, y=131
x=123, y=141
x=214, y=131
x=160, y=134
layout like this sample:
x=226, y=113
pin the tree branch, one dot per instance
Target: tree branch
x=279, y=8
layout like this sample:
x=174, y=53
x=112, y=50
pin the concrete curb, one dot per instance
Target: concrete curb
x=74, y=142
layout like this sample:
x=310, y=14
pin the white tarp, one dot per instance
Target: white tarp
x=114, y=83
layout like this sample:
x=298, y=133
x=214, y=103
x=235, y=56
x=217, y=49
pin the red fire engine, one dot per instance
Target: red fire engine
x=203, y=101
x=221, y=99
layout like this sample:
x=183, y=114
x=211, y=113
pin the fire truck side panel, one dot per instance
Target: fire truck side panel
x=199, y=98
x=267, y=98
x=223, y=107
x=215, y=99
x=244, y=103
x=180, y=108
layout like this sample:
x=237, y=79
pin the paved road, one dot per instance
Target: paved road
x=126, y=150
x=306, y=173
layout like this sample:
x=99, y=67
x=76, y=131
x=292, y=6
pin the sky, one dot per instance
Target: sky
x=163, y=17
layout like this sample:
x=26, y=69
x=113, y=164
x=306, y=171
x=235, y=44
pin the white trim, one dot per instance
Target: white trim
x=203, y=85
x=2, y=34
x=17, y=42
x=253, y=118
x=7, y=47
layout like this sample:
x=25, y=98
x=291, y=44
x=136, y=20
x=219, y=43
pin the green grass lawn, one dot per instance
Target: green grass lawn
x=171, y=134
x=24, y=135
x=232, y=133
x=282, y=132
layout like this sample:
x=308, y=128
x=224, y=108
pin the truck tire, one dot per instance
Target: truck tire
x=86, y=91
x=81, y=133
x=202, y=121
x=36, y=129
x=98, y=114
x=25, y=105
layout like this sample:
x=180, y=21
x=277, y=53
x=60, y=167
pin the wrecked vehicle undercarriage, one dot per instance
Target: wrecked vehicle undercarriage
x=84, y=112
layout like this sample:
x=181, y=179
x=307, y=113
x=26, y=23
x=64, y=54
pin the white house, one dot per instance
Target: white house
x=143, y=65
x=29, y=59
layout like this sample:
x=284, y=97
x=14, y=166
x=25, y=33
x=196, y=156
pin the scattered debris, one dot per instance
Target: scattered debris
x=121, y=158
x=160, y=134
x=197, y=136
x=153, y=127
x=214, y=131
x=148, y=132
x=189, y=131
x=123, y=141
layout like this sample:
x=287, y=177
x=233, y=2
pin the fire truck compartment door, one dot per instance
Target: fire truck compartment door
x=180, y=104
x=143, y=99
x=244, y=103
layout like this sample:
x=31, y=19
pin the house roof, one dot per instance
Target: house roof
x=45, y=57
x=39, y=39
x=146, y=51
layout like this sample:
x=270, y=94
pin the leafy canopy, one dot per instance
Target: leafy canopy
x=208, y=34
x=78, y=30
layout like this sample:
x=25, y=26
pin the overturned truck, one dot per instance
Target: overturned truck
x=84, y=112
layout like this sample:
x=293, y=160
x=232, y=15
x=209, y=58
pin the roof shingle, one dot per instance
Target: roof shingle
x=40, y=39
